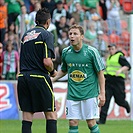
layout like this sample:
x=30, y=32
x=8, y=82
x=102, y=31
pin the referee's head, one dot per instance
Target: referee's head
x=43, y=17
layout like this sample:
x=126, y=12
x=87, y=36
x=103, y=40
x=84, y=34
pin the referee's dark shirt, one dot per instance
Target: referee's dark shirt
x=36, y=44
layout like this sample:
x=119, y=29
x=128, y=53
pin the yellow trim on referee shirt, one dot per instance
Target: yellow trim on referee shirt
x=20, y=75
x=38, y=42
x=46, y=50
x=40, y=76
x=22, y=42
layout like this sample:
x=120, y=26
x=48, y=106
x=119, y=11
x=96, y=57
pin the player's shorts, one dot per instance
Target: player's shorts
x=35, y=93
x=85, y=109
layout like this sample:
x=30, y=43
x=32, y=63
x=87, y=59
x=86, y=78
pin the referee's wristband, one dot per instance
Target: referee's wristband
x=52, y=72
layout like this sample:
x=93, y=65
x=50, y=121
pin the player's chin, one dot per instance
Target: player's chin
x=72, y=43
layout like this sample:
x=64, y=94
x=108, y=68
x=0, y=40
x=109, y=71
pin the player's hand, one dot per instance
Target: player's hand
x=101, y=99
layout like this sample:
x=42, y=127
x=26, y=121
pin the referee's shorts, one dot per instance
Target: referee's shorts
x=35, y=93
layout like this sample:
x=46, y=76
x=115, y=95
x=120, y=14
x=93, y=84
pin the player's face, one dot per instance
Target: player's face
x=75, y=37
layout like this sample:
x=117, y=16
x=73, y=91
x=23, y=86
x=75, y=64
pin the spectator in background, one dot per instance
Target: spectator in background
x=50, y=4
x=27, y=4
x=32, y=5
x=59, y=12
x=63, y=42
x=113, y=16
x=52, y=28
x=13, y=7
x=12, y=38
x=10, y=59
x=3, y=20
x=1, y=50
x=94, y=16
x=71, y=5
x=23, y=22
x=61, y=25
x=90, y=33
x=104, y=9
x=11, y=28
x=5, y=40
x=87, y=4
x=100, y=44
x=33, y=13
x=79, y=14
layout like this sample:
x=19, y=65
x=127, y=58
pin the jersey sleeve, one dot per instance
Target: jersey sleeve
x=49, y=46
x=64, y=64
x=123, y=61
x=98, y=63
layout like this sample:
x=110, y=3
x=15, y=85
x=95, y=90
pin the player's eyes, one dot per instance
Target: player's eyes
x=75, y=33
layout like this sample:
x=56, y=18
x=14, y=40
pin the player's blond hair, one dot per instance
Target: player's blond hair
x=76, y=26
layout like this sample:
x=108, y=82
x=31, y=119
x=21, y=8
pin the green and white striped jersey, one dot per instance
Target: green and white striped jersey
x=82, y=67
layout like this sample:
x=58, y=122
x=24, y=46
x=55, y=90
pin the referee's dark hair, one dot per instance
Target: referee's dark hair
x=42, y=16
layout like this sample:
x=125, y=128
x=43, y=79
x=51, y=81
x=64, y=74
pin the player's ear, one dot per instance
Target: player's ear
x=82, y=36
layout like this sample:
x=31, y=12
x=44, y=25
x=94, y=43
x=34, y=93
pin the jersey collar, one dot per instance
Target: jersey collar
x=41, y=26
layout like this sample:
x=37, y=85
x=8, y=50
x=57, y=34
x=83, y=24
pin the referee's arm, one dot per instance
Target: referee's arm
x=48, y=64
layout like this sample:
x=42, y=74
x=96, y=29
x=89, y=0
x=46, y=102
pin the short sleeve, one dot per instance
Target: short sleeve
x=64, y=64
x=50, y=45
x=97, y=60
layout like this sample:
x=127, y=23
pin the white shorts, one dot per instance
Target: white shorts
x=85, y=109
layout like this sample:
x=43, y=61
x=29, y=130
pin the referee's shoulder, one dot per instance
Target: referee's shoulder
x=45, y=34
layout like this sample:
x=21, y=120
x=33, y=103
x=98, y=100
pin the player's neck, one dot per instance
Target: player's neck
x=77, y=47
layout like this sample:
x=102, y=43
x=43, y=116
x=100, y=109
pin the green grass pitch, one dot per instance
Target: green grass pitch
x=111, y=126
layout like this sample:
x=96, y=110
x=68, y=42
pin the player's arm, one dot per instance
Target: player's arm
x=59, y=75
x=49, y=66
x=102, y=88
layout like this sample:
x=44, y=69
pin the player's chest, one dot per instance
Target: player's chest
x=80, y=58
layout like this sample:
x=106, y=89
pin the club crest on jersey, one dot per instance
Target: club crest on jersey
x=77, y=76
x=30, y=36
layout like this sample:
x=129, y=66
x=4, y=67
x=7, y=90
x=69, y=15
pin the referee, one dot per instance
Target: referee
x=35, y=91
